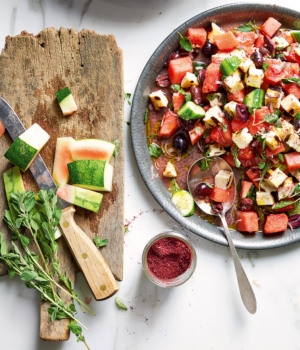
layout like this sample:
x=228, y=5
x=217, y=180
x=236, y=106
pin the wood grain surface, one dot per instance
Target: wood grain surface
x=32, y=69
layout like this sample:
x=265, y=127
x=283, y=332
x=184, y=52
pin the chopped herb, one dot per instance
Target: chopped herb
x=120, y=303
x=265, y=66
x=224, y=128
x=185, y=43
x=175, y=87
x=116, y=150
x=267, y=166
x=252, y=193
x=127, y=97
x=248, y=27
x=208, y=184
x=100, y=242
x=296, y=190
x=150, y=137
x=155, y=151
x=206, y=133
x=126, y=229
x=291, y=80
x=174, y=186
x=234, y=152
x=271, y=118
x=239, y=186
x=146, y=116
x=262, y=141
x=204, y=163
x=283, y=204
x=261, y=165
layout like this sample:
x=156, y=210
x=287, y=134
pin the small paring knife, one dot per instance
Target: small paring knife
x=92, y=264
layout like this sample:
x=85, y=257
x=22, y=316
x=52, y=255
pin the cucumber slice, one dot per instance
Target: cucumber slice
x=229, y=65
x=184, y=202
x=191, y=111
x=255, y=99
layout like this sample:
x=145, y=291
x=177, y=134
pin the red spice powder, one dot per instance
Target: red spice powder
x=169, y=258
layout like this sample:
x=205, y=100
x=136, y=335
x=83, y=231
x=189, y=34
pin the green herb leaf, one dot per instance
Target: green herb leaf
x=248, y=27
x=175, y=87
x=267, y=166
x=127, y=97
x=155, y=151
x=208, y=184
x=271, y=118
x=120, y=303
x=116, y=150
x=206, y=133
x=265, y=66
x=185, y=43
x=282, y=204
x=174, y=186
x=280, y=157
x=146, y=116
x=234, y=152
x=291, y=80
x=100, y=242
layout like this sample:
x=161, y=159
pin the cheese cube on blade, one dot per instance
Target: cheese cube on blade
x=189, y=80
x=242, y=138
x=275, y=177
x=264, y=198
x=213, y=117
x=170, y=170
x=255, y=77
x=291, y=104
x=158, y=99
x=25, y=148
x=293, y=140
x=224, y=179
x=66, y=101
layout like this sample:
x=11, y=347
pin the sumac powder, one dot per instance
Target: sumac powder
x=168, y=258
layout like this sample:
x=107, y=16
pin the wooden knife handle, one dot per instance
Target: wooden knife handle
x=92, y=264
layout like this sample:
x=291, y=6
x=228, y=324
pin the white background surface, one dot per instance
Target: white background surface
x=206, y=312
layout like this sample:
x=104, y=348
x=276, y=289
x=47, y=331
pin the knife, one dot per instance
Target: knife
x=92, y=264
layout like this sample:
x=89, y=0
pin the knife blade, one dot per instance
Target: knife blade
x=91, y=262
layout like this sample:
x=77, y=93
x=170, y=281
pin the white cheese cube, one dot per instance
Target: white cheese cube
x=170, y=170
x=246, y=65
x=158, y=99
x=286, y=189
x=273, y=97
x=217, y=99
x=264, y=198
x=266, y=187
x=224, y=179
x=215, y=149
x=293, y=140
x=255, y=77
x=280, y=43
x=220, y=56
x=283, y=131
x=230, y=108
x=272, y=140
x=213, y=117
x=242, y=138
x=275, y=177
x=233, y=83
x=215, y=30
x=189, y=80
x=291, y=104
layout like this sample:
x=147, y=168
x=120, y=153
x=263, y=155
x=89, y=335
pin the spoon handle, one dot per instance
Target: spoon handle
x=246, y=290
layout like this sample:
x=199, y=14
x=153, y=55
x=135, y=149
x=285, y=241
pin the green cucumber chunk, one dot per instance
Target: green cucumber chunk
x=62, y=94
x=21, y=154
x=13, y=183
x=229, y=65
x=255, y=99
x=296, y=35
x=184, y=202
x=191, y=111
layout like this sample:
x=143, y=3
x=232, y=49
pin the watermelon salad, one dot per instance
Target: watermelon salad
x=233, y=94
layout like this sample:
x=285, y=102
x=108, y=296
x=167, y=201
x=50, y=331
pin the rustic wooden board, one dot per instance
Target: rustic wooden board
x=32, y=69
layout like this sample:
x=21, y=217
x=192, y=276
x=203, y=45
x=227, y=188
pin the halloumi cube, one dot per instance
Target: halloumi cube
x=233, y=83
x=218, y=99
x=170, y=170
x=280, y=43
x=293, y=140
x=189, y=80
x=158, y=99
x=272, y=140
x=266, y=187
x=264, y=198
x=286, y=189
x=275, y=177
x=291, y=104
x=230, y=108
x=254, y=77
x=213, y=117
x=246, y=65
x=285, y=130
x=242, y=138
x=215, y=149
x=224, y=179
x=273, y=97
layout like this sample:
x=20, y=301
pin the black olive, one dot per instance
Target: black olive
x=181, y=143
x=209, y=49
x=242, y=112
x=297, y=124
x=245, y=204
x=187, y=124
x=257, y=58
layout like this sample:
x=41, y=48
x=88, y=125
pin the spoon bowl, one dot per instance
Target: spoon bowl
x=194, y=178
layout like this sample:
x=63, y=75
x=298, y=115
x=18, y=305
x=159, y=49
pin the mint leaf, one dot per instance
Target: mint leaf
x=120, y=304
x=100, y=242
x=185, y=43
x=174, y=186
x=155, y=151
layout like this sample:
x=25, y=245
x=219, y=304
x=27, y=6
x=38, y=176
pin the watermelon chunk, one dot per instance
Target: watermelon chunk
x=197, y=36
x=226, y=42
x=276, y=223
x=212, y=76
x=92, y=149
x=178, y=68
x=246, y=221
x=61, y=159
x=2, y=128
x=245, y=188
x=219, y=195
x=81, y=197
x=270, y=27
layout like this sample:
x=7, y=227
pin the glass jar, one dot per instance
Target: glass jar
x=169, y=273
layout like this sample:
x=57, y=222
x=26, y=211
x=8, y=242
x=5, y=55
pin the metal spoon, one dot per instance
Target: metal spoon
x=196, y=176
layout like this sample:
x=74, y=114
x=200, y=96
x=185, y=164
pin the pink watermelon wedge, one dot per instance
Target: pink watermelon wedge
x=92, y=149
x=61, y=159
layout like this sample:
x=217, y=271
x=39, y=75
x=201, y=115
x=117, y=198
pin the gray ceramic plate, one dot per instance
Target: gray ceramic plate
x=221, y=15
